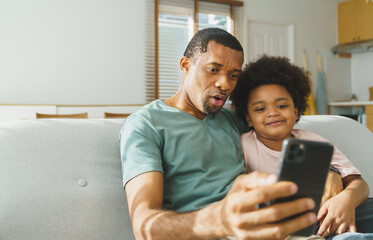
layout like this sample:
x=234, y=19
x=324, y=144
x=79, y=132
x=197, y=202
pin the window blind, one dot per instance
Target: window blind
x=175, y=29
x=150, y=71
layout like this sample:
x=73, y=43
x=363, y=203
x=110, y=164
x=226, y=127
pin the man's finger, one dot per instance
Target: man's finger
x=282, y=229
x=276, y=212
x=266, y=193
x=253, y=180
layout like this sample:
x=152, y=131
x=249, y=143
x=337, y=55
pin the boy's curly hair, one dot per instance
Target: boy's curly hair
x=269, y=70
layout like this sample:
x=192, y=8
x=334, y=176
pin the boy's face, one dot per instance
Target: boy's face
x=271, y=112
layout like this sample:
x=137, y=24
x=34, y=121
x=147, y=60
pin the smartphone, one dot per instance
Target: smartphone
x=307, y=164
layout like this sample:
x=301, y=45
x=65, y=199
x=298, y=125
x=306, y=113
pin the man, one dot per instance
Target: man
x=182, y=160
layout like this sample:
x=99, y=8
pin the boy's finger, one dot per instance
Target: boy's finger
x=324, y=226
x=342, y=228
x=333, y=228
x=352, y=228
x=322, y=212
x=328, y=232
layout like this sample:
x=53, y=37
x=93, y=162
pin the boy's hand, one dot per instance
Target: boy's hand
x=336, y=216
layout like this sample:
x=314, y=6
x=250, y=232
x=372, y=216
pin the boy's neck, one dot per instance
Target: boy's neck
x=273, y=144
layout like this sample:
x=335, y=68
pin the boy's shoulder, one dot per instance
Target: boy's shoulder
x=308, y=135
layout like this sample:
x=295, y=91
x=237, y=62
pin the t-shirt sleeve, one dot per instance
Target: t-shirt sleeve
x=139, y=148
x=340, y=161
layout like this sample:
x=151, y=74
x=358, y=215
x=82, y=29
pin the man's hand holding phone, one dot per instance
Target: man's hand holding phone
x=243, y=219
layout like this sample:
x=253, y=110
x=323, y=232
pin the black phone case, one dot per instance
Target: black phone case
x=307, y=164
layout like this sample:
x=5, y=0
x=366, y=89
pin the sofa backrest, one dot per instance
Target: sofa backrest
x=62, y=179
x=349, y=136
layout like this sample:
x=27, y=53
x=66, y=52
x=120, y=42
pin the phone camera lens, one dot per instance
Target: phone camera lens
x=300, y=153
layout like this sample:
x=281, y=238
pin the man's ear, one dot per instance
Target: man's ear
x=248, y=120
x=185, y=63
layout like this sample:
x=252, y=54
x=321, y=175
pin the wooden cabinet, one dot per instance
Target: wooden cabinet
x=355, y=21
x=369, y=113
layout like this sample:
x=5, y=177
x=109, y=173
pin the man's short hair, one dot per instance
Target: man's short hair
x=198, y=44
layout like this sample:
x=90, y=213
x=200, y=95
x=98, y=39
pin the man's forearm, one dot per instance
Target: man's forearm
x=235, y=215
x=160, y=224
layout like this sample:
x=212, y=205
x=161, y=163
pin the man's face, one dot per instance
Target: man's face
x=210, y=77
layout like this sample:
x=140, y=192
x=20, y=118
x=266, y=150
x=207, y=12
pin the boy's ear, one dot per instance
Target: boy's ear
x=296, y=112
x=185, y=63
x=248, y=120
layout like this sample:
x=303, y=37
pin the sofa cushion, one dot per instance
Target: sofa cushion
x=352, y=138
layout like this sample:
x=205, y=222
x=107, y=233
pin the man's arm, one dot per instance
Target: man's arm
x=235, y=215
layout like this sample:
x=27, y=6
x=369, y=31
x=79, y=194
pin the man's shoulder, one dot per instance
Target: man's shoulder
x=156, y=108
x=307, y=135
x=156, y=105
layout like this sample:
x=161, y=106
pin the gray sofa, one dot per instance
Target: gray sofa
x=62, y=179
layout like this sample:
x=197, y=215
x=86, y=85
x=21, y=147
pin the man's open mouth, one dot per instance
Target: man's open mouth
x=219, y=99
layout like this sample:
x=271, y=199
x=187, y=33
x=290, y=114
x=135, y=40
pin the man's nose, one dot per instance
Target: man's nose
x=222, y=82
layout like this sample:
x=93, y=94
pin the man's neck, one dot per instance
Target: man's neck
x=182, y=102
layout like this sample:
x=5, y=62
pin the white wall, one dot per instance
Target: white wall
x=72, y=51
x=92, y=51
x=315, y=25
x=338, y=76
x=362, y=74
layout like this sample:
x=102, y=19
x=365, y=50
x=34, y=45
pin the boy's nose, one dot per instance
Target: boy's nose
x=273, y=111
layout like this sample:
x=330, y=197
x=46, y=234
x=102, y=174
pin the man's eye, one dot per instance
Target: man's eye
x=234, y=76
x=213, y=70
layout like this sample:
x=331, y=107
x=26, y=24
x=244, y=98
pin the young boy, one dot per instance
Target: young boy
x=271, y=94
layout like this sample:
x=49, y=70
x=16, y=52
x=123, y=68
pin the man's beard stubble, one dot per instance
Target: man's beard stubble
x=210, y=110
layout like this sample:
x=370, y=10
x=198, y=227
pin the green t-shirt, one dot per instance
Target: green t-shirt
x=199, y=159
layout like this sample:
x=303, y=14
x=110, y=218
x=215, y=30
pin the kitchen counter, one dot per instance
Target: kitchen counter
x=350, y=103
x=367, y=105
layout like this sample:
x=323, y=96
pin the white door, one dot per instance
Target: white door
x=270, y=39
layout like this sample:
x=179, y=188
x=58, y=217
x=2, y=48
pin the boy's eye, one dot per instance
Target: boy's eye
x=282, y=106
x=261, y=109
